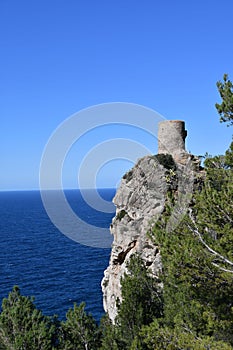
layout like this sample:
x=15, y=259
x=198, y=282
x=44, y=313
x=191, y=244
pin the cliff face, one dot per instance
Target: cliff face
x=139, y=201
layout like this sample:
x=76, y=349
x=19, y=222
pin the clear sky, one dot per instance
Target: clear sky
x=58, y=57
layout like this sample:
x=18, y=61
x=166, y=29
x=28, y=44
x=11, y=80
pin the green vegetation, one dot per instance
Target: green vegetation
x=120, y=215
x=197, y=272
x=190, y=306
x=166, y=160
x=79, y=331
x=225, y=109
x=22, y=326
x=141, y=303
x=128, y=176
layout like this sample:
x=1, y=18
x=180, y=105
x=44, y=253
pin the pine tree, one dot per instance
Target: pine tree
x=79, y=331
x=225, y=109
x=198, y=269
x=141, y=301
x=22, y=325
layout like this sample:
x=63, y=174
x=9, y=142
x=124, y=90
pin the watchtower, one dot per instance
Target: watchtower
x=171, y=137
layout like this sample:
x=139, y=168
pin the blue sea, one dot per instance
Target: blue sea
x=43, y=262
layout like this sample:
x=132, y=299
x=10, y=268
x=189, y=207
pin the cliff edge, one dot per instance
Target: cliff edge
x=141, y=199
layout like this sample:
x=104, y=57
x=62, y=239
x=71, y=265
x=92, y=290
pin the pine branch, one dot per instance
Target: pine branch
x=222, y=268
x=212, y=251
x=224, y=214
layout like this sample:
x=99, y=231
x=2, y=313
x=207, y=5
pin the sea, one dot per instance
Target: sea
x=47, y=265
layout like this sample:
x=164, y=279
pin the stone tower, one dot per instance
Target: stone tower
x=171, y=137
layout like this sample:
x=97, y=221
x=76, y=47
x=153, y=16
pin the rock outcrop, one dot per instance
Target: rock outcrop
x=140, y=200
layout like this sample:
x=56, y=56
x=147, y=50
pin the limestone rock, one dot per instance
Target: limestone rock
x=140, y=200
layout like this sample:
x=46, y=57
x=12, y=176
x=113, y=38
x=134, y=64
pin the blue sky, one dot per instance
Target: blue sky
x=58, y=57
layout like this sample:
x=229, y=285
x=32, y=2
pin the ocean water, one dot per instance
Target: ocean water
x=43, y=262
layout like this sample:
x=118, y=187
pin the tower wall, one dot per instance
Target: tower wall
x=171, y=137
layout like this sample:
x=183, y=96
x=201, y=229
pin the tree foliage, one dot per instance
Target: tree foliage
x=156, y=337
x=22, y=325
x=79, y=331
x=225, y=109
x=141, y=300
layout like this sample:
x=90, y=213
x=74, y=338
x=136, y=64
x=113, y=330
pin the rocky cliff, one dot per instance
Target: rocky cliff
x=141, y=199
